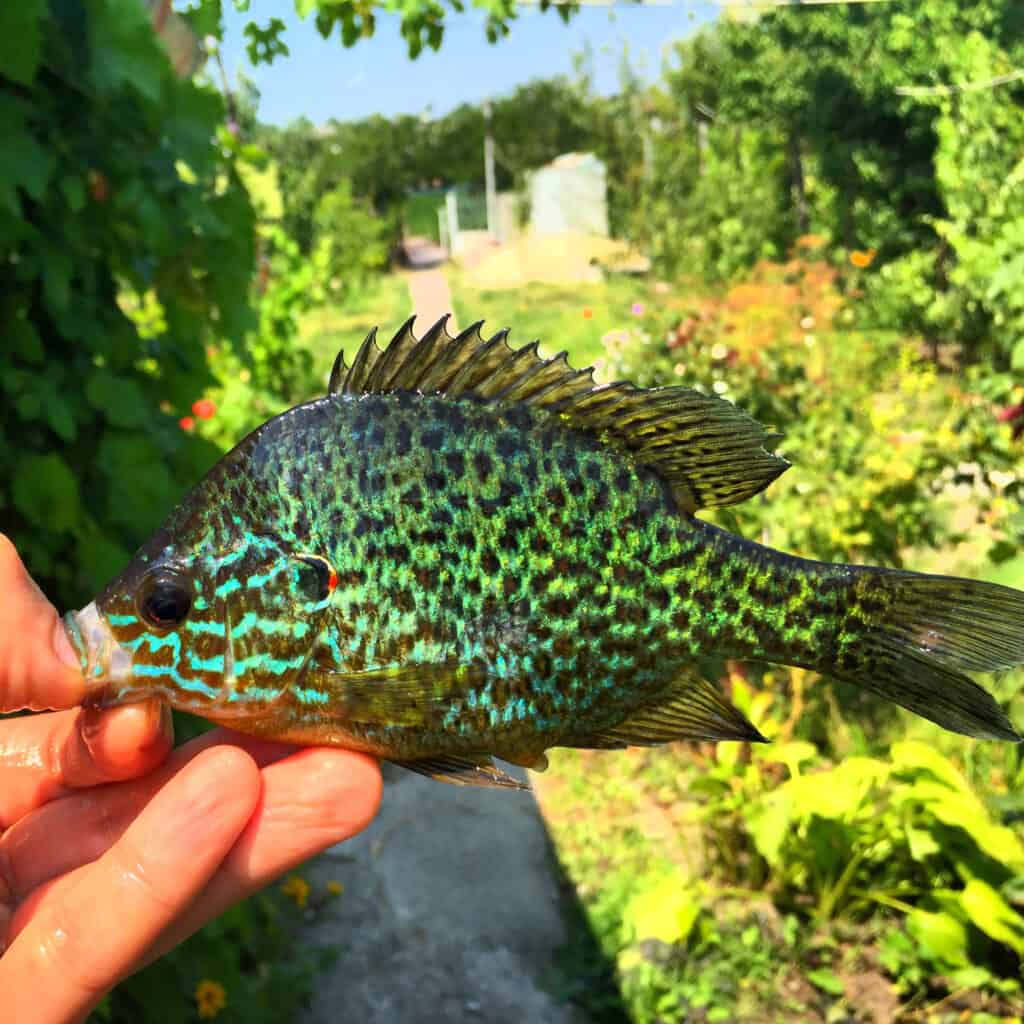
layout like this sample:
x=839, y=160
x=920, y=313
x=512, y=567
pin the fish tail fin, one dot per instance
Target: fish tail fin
x=910, y=638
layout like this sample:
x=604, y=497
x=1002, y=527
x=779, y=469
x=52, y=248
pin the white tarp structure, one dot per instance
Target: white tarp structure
x=569, y=195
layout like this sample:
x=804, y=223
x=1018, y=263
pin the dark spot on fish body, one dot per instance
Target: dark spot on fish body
x=484, y=465
x=489, y=563
x=507, y=445
x=435, y=481
x=624, y=480
x=456, y=463
x=519, y=416
x=403, y=439
x=432, y=439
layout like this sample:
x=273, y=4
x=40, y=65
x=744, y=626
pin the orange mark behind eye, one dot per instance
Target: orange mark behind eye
x=332, y=582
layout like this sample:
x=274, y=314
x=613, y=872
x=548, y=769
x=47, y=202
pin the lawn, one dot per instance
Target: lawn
x=570, y=317
x=324, y=331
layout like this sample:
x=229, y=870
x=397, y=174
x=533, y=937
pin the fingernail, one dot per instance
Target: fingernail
x=62, y=646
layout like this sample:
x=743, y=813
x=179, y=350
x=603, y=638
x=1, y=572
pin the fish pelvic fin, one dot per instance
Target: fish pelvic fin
x=691, y=710
x=464, y=771
x=910, y=638
x=709, y=452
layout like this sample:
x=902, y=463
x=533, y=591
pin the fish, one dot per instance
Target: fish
x=465, y=551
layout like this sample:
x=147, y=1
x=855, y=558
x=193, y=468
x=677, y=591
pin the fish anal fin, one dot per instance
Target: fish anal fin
x=691, y=710
x=463, y=771
x=709, y=452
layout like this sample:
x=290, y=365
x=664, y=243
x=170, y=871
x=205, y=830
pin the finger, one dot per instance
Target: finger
x=76, y=941
x=38, y=668
x=95, y=819
x=310, y=801
x=44, y=756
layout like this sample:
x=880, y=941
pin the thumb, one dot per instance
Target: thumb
x=38, y=667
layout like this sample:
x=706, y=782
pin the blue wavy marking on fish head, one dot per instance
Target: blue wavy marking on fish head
x=221, y=630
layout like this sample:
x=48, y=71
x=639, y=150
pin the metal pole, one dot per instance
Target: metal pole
x=491, y=194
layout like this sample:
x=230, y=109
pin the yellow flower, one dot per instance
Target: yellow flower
x=211, y=998
x=297, y=889
x=335, y=888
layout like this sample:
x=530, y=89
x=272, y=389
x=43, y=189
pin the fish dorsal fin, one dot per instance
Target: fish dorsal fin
x=710, y=453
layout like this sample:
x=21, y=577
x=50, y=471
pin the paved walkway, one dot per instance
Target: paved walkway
x=431, y=296
x=451, y=912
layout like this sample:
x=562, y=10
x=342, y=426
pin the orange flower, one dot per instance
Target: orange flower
x=863, y=258
x=187, y=423
x=588, y=313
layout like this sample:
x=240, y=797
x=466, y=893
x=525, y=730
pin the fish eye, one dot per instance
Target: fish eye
x=164, y=599
x=316, y=576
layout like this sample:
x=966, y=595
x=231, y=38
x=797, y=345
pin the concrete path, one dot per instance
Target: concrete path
x=431, y=297
x=451, y=912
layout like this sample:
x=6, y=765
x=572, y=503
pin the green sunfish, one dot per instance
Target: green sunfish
x=465, y=550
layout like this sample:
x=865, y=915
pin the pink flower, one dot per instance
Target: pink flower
x=637, y=309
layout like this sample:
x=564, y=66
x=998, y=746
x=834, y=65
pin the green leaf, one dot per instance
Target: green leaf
x=26, y=164
x=57, y=413
x=1017, y=356
x=121, y=31
x=139, y=489
x=942, y=936
x=119, y=399
x=24, y=340
x=666, y=912
x=988, y=911
x=21, y=40
x=304, y=8
x=828, y=981
x=46, y=492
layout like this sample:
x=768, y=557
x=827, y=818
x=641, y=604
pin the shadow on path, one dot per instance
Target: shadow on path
x=455, y=910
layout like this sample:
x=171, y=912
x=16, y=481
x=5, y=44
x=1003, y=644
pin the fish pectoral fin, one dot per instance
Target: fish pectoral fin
x=691, y=710
x=408, y=695
x=464, y=771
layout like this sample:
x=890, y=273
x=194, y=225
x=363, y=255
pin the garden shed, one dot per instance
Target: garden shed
x=569, y=195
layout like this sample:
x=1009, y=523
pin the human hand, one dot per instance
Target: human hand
x=113, y=849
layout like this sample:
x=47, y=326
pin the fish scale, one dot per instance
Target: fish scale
x=465, y=551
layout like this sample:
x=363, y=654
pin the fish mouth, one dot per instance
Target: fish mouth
x=106, y=664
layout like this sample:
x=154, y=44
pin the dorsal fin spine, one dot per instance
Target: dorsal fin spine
x=708, y=451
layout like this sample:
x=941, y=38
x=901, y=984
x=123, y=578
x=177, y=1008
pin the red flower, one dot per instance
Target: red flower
x=187, y=423
x=204, y=408
x=1010, y=413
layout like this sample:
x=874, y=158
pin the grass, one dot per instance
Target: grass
x=384, y=304
x=570, y=317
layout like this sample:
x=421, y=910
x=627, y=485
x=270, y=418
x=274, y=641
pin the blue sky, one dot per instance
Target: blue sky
x=321, y=79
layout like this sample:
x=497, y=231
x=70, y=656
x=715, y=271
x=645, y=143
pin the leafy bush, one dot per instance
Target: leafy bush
x=351, y=241
x=883, y=443
x=89, y=459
